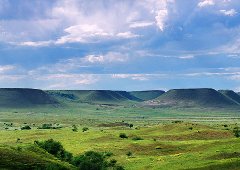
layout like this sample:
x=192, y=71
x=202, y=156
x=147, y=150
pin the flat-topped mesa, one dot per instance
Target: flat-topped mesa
x=204, y=97
x=23, y=97
x=93, y=96
x=147, y=95
x=231, y=94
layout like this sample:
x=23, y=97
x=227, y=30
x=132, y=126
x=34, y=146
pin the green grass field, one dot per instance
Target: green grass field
x=172, y=138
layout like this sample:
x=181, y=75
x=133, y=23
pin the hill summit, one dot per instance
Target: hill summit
x=203, y=97
x=19, y=97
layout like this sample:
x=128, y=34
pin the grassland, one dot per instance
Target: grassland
x=161, y=137
x=172, y=138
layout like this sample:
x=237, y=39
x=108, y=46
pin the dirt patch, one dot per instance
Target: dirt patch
x=156, y=149
x=115, y=124
x=199, y=135
x=225, y=156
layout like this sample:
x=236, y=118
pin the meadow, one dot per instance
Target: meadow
x=161, y=138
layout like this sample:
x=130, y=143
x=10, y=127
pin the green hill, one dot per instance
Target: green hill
x=231, y=94
x=92, y=96
x=17, y=97
x=29, y=158
x=147, y=95
x=204, y=97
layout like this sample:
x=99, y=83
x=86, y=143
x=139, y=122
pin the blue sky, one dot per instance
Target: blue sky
x=120, y=45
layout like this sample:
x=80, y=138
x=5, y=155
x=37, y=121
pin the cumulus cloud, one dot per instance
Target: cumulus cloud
x=36, y=44
x=206, y=3
x=141, y=24
x=161, y=18
x=6, y=68
x=230, y=12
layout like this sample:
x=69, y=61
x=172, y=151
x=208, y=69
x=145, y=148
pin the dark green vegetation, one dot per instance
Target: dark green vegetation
x=21, y=98
x=180, y=129
x=93, y=96
x=195, y=98
x=147, y=95
x=231, y=94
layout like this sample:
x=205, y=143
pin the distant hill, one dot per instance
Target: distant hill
x=147, y=95
x=93, y=96
x=18, y=97
x=204, y=97
x=231, y=94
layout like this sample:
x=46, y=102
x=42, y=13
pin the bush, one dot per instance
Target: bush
x=137, y=138
x=236, y=132
x=90, y=161
x=74, y=128
x=190, y=128
x=55, y=148
x=49, y=126
x=123, y=135
x=85, y=129
x=130, y=125
x=112, y=162
x=26, y=127
x=129, y=153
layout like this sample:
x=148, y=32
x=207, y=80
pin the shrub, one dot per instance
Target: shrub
x=90, y=161
x=137, y=138
x=74, y=128
x=112, y=162
x=107, y=154
x=27, y=127
x=190, y=128
x=49, y=126
x=130, y=125
x=129, y=153
x=55, y=148
x=236, y=132
x=177, y=121
x=85, y=129
x=123, y=135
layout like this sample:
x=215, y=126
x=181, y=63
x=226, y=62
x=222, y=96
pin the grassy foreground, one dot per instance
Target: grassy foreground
x=161, y=138
x=172, y=145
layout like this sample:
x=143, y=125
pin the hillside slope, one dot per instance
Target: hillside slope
x=147, y=95
x=17, y=97
x=203, y=97
x=93, y=96
x=29, y=158
x=231, y=94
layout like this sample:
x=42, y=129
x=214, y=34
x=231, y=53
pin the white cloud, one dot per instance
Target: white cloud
x=186, y=57
x=126, y=35
x=140, y=24
x=109, y=57
x=205, y=3
x=36, y=44
x=6, y=68
x=161, y=18
x=83, y=33
x=82, y=63
x=140, y=77
x=230, y=12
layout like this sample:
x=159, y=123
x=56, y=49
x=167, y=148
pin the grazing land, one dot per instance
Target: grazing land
x=138, y=131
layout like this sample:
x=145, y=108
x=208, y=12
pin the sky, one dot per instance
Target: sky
x=120, y=45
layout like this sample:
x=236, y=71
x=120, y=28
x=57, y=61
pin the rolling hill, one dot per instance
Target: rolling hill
x=203, y=97
x=93, y=96
x=231, y=94
x=147, y=95
x=16, y=97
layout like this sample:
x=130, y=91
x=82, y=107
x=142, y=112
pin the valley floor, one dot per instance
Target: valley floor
x=157, y=140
